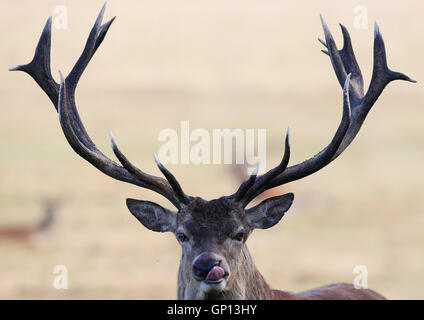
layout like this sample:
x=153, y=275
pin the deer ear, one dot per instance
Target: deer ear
x=152, y=215
x=269, y=212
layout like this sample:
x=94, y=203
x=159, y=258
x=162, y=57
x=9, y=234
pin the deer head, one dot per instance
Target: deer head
x=215, y=261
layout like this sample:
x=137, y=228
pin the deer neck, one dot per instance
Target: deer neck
x=245, y=282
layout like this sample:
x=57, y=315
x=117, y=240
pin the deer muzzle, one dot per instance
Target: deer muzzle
x=211, y=270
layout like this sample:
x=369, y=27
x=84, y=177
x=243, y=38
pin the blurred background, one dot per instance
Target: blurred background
x=219, y=64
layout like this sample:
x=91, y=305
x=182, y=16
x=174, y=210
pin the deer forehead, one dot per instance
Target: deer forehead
x=215, y=217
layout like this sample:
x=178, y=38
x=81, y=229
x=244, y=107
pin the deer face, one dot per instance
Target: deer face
x=212, y=235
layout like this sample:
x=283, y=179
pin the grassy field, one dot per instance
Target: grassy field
x=218, y=64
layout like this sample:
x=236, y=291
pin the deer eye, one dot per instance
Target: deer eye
x=239, y=237
x=181, y=237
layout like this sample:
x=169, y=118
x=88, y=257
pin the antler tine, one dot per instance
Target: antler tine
x=344, y=61
x=351, y=65
x=95, y=38
x=255, y=186
x=335, y=57
x=176, y=187
x=381, y=75
x=169, y=188
x=246, y=185
x=63, y=97
x=39, y=67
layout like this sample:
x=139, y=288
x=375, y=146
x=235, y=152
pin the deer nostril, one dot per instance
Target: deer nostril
x=201, y=267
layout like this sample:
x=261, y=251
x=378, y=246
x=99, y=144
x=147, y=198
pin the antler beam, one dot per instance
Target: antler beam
x=356, y=106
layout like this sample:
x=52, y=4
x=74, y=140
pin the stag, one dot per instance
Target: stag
x=215, y=261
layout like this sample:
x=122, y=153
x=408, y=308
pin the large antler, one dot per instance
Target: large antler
x=356, y=106
x=63, y=98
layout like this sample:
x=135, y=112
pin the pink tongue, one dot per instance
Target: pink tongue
x=215, y=274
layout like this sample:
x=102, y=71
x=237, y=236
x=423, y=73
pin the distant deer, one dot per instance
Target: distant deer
x=30, y=234
x=215, y=262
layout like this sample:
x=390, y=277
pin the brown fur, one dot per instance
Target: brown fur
x=208, y=224
x=31, y=234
